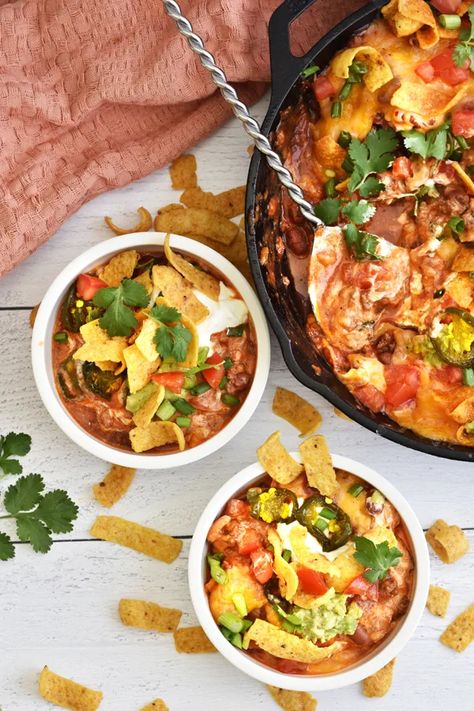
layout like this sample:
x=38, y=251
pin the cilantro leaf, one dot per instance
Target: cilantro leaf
x=464, y=51
x=432, y=144
x=373, y=156
x=173, y=341
x=119, y=319
x=363, y=245
x=359, y=211
x=23, y=495
x=371, y=187
x=461, y=54
x=32, y=530
x=328, y=210
x=14, y=444
x=376, y=557
x=57, y=511
x=7, y=549
x=165, y=314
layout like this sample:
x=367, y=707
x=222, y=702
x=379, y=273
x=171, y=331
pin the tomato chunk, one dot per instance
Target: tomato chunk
x=87, y=286
x=448, y=71
x=402, y=384
x=248, y=540
x=311, y=581
x=463, y=121
x=213, y=376
x=426, y=71
x=323, y=88
x=364, y=588
x=402, y=168
x=174, y=381
x=262, y=565
x=446, y=6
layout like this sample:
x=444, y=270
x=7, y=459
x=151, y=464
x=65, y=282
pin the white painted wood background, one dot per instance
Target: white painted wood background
x=61, y=609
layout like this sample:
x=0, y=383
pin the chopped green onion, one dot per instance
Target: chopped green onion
x=231, y=622
x=468, y=377
x=456, y=224
x=330, y=187
x=236, y=640
x=462, y=143
x=355, y=490
x=322, y=524
x=230, y=400
x=236, y=330
x=328, y=514
x=223, y=382
x=183, y=421
x=344, y=139
x=61, y=337
x=190, y=380
x=183, y=406
x=309, y=71
x=217, y=572
x=200, y=388
x=246, y=624
x=165, y=410
x=345, y=91
x=286, y=555
x=336, y=109
x=439, y=293
x=170, y=395
x=202, y=354
x=359, y=67
x=450, y=22
x=228, y=363
x=240, y=605
x=347, y=165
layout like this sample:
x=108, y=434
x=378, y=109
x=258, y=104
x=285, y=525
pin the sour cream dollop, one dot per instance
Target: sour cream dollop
x=311, y=543
x=228, y=312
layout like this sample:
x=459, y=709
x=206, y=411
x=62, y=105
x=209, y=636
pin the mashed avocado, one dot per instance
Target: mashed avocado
x=328, y=617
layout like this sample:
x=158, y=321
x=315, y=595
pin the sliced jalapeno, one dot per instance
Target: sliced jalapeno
x=449, y=343
x=313, y=514
x=272, y=505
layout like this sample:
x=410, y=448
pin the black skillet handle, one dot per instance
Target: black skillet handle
x=285, y=67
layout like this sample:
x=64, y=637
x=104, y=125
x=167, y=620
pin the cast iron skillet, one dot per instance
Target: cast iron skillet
x=282, y=305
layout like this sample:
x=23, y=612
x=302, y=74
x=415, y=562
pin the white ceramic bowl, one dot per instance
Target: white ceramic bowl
x=386, y=651
x=43, y=333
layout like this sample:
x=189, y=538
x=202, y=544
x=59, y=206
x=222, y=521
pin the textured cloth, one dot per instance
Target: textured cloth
x=97, y=93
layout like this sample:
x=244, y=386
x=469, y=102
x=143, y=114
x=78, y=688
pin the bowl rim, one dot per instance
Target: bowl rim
x=41, y=356
x=381, y=656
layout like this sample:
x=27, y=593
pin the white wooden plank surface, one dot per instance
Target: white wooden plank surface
x=60, y=609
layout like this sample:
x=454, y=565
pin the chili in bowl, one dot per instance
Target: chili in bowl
x=304, y=591
x=150, y=351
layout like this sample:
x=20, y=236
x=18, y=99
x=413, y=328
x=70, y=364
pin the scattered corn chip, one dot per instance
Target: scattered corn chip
x=192, y=221
x=284, y=645
x=378, y=74
x=119, y=267
x=464, y=412
x=66, y=693
x=422, y=99
x=139, y=538
x=438, y=600
x=172, y=206
x=145, y=340
x=114, y=485
x=148, y=615
x=287, y=575
x=183, y=172
x=409, y=16
x=293, y=700
x=139, y=369
x=460, y=633
x=378, y=684
x=201, y=280
x=156, y=705
x=230, y=203
x=98, y=345
x=144, y=225
x=144, y=415
x=276, y=460
x=295, y=410
x=192, y=640
x=145, y=280
x=178, y=292
x=32, y=316
x=448, y=542
x=318, y=465
x=106, y=364
x=156, y=434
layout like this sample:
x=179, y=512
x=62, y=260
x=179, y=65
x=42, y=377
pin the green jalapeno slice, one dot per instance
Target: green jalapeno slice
x=272, y=505
x=329, y=524
x=455, y=342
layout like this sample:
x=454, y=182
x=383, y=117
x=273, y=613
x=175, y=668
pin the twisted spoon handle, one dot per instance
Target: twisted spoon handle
x=240, y=110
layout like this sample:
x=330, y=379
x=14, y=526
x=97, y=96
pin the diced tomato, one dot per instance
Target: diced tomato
x=87, y=286
x=402, y=168
x=174, y=381
x=402, y=384
x=426, y=71
x=371, y=397
x=447, y=70
x=262, y=565
x=323, y=88
x=462, y=122
x=311, y=581
x=213, y=376
x=364, y=588
x=248, y=540
x=449, y=375
x=237, y=508
x=446, y=6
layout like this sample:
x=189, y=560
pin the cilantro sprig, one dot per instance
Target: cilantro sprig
x=372, y=156
x=464, y=50
x=432, y=144
x=363, y=245
x=119, y=319
x=37, y=514
x=172, y=338
x=376, y=557
x=14, y=444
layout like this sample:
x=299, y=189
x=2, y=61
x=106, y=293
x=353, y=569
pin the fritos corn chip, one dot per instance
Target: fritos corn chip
x=438, y=600
x=295, y=410
x=448, y=542
x=318, y=465
x=276, y=460
x=156, y=705
x=139, y=538
x=178, y=292
x=378, y=74
x=144, y=225
x=409, y=16
x=114, y=485
x=183, y=172
x=460, y=633
x=201, y=280
x=120, y=267
x=192, y=221
x=379, y=684
x=424, y=100
x=464, y=412
x=230, y=203
x=284, y=645
x=156, y=434
x=98, y=345
x=286, y=573
x=293, y=700
x=66, y=693
x=148, y=615
x=192, y=640
x=144, y=415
